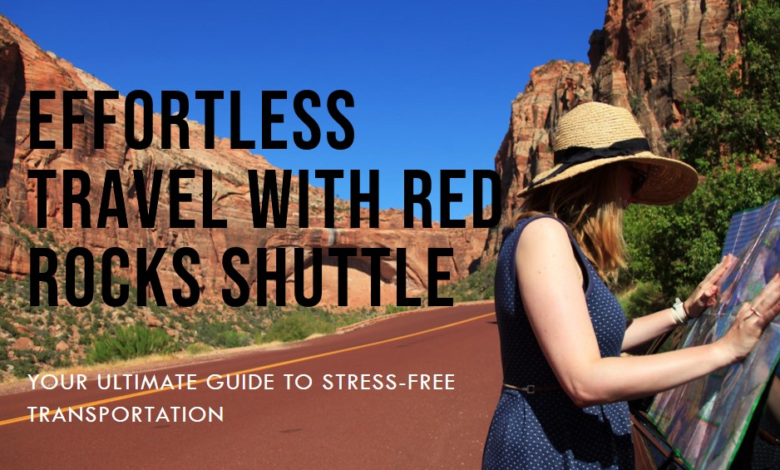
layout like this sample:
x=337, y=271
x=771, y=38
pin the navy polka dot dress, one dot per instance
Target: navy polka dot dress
x=547, y=430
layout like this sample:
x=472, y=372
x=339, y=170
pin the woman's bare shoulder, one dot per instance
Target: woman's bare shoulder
x=544, y=232
x=545, y=247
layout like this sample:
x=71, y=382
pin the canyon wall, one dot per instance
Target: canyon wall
x=636, y=62
x=25, y=67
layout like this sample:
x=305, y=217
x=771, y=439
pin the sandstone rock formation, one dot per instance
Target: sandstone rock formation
x=554, y=89
x=636, y=62
x=25, y=67
x=637, y=59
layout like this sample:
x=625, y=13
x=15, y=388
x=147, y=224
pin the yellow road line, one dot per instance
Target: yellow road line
x=247, y=371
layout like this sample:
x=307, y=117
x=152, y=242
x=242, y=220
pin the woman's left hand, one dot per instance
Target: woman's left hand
x=706, y=293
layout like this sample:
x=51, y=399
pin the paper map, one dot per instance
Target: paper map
x=706, y=419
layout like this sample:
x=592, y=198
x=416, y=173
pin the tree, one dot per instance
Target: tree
x=733, y=109
x=733, y=121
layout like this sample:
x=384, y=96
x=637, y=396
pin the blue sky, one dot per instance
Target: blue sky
x=432, y=81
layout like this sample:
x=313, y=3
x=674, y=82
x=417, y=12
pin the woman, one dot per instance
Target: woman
x=563, y=404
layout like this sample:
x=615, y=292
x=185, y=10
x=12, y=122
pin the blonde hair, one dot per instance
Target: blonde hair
x=590, y=205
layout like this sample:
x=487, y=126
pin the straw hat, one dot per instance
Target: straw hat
x=597, y=134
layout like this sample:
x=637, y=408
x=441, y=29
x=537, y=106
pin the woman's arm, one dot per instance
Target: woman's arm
x=548, y=278
x=644, y=329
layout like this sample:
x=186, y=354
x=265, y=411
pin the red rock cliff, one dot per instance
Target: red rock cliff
x=637, y=59
x=637, y=62
x=25, y=67
x=554, y=88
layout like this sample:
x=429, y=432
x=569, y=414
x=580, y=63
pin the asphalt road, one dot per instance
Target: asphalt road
x=377, y=424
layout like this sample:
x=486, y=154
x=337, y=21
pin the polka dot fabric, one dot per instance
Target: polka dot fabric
x=546, y=430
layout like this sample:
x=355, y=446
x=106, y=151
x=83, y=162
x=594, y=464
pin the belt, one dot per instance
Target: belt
x=769, y=437
x=531, y=389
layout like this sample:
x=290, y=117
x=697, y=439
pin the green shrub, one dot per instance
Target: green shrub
x=395, y=309
x=96, y=309
x=61, y=360
x=44, y=356
x=676, y=246
x=477, y=286
x=233, y=339
x=24, y=364
x=297, y=326
x=7, y=326
x=198, y=348
x=644, y=298
x=127, y=343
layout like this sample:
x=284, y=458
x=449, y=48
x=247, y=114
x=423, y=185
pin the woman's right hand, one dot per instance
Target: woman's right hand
x=751, y=321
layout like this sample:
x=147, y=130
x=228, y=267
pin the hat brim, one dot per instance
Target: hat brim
x=669, y=181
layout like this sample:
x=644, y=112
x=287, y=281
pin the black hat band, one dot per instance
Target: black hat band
x=575, y=155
